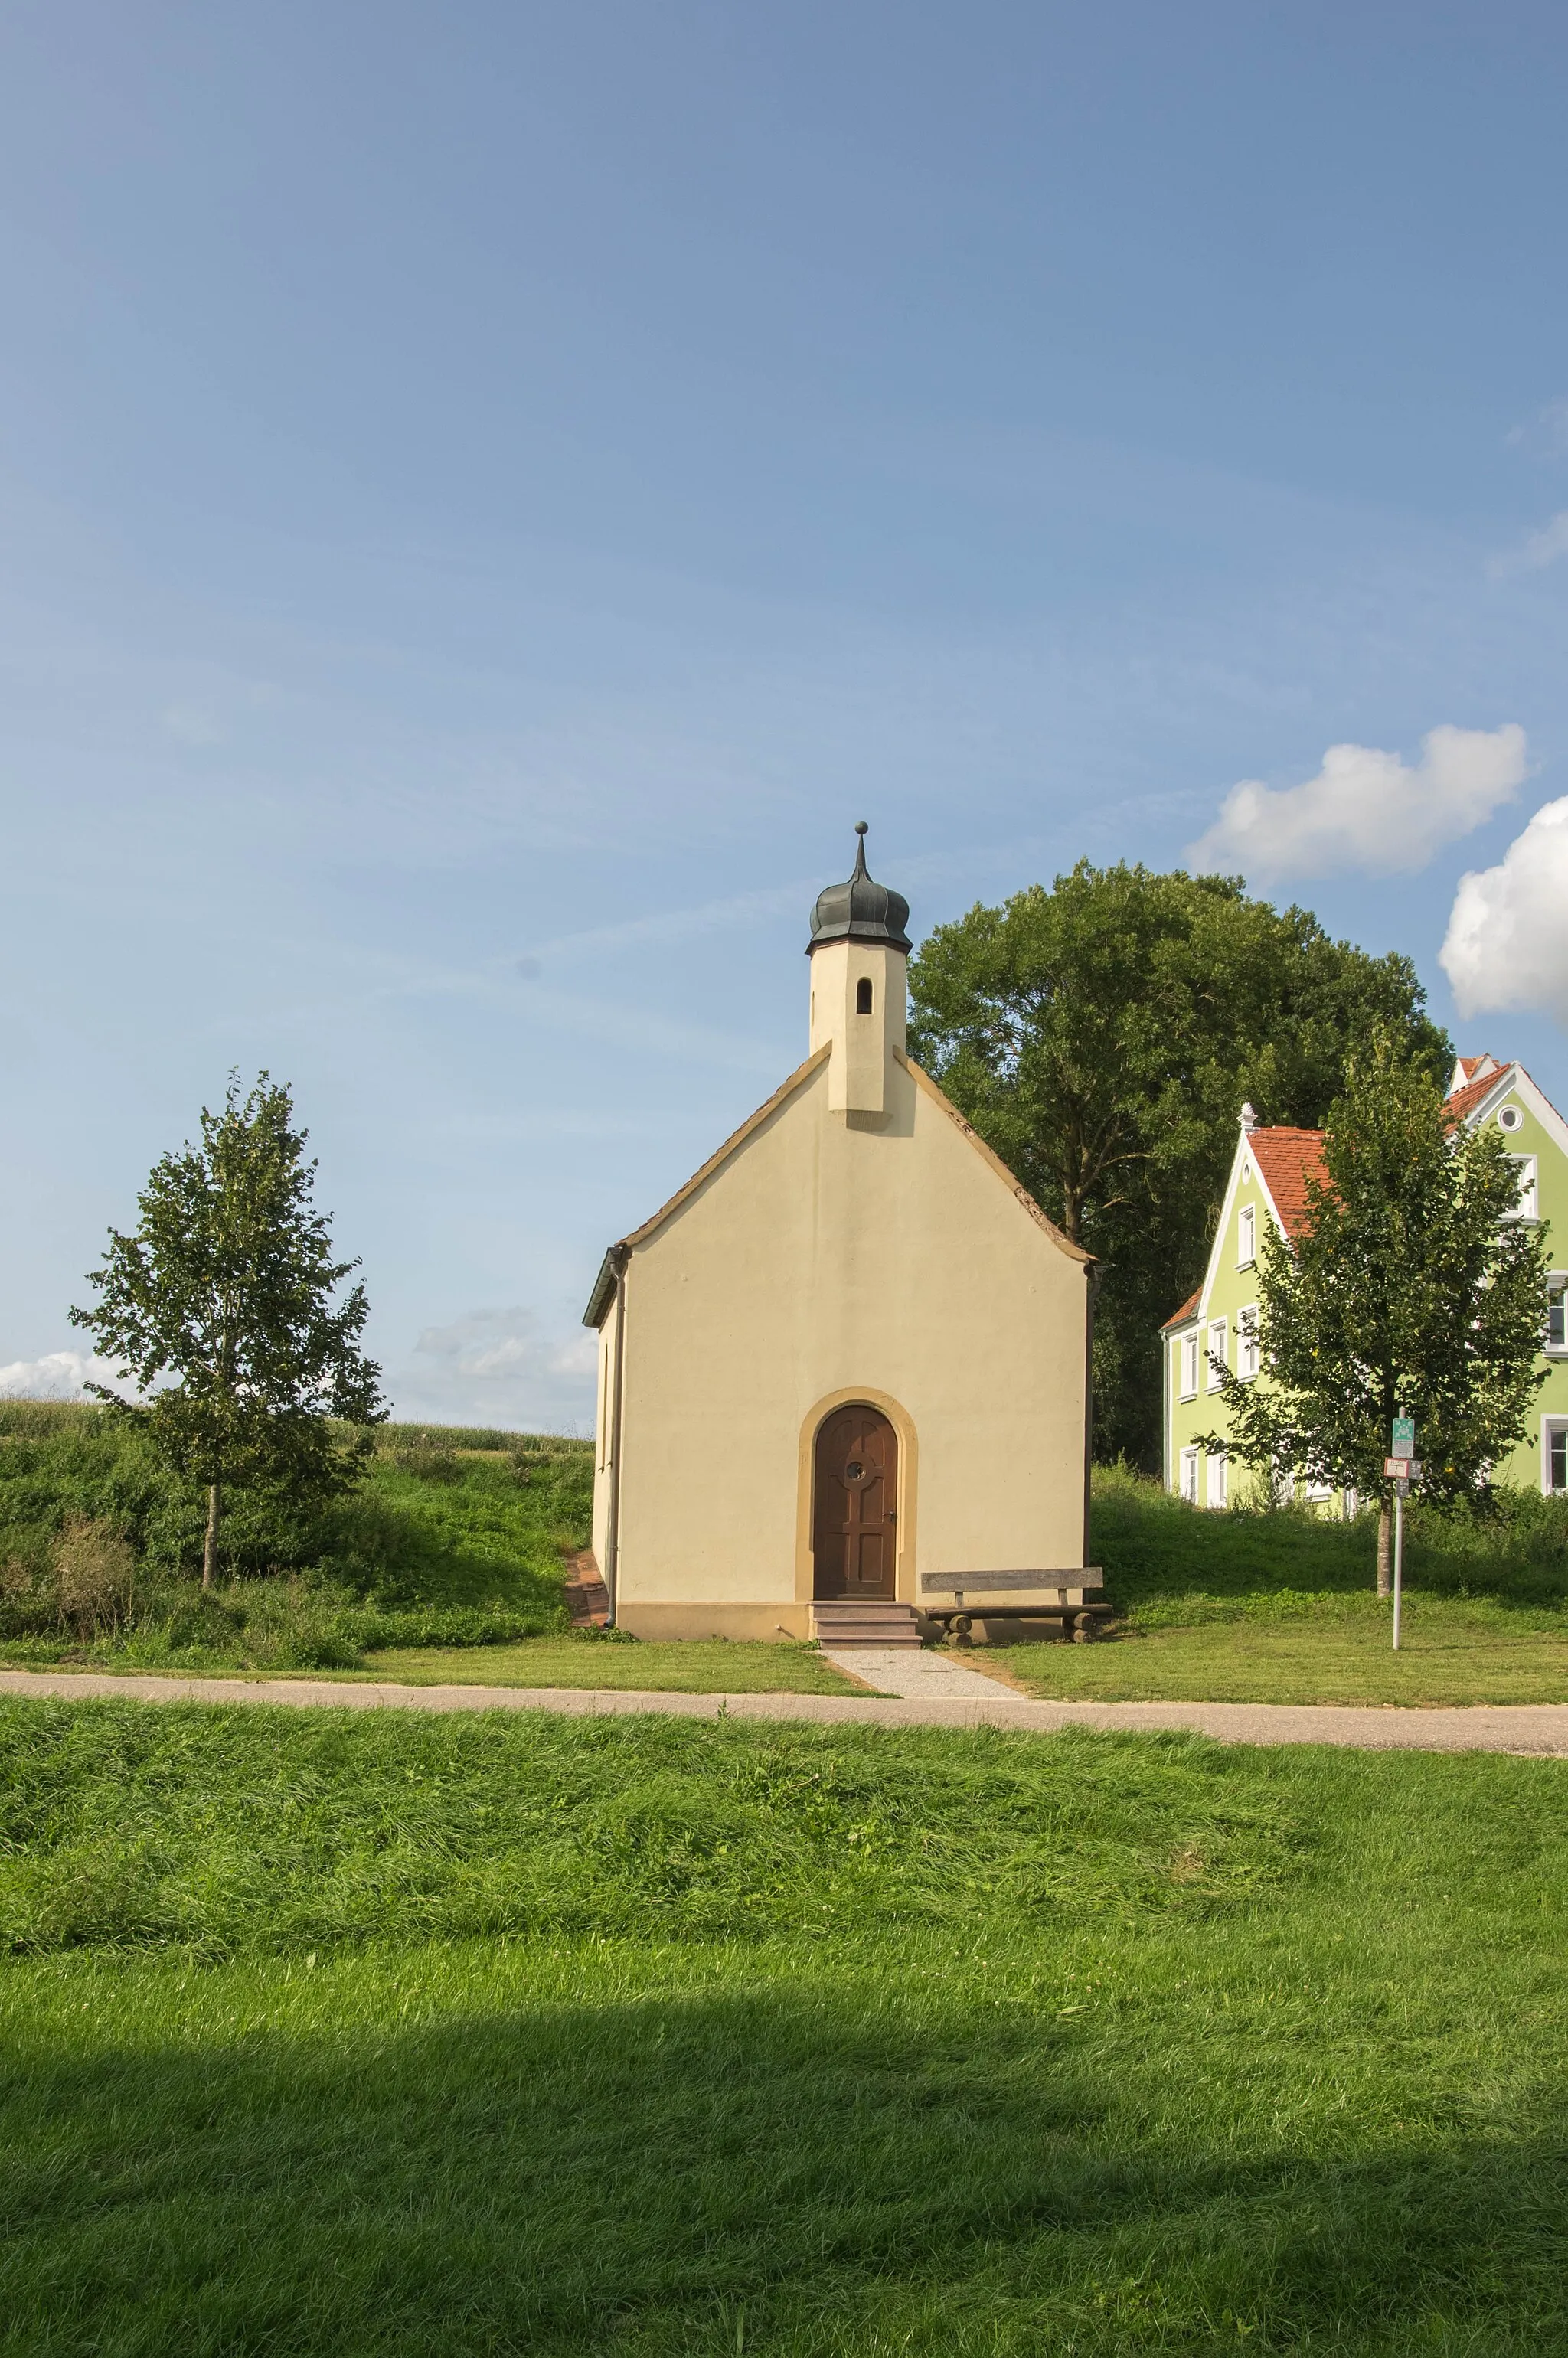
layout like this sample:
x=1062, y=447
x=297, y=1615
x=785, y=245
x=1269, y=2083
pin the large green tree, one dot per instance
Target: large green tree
x=1102, y=1035
x=220, y=1307
x=1412, y=1288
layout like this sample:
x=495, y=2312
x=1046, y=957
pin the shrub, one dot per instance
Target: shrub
x=429, y=1461
x=94, y=1576
x=455, y=1538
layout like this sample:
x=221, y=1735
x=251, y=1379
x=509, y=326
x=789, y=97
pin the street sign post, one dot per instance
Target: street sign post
x=1404, y=1466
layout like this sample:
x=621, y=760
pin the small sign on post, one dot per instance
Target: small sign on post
x=1404, y=1466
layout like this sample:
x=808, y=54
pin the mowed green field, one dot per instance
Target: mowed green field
x=698, y=1666
x=1280, y=1607
x=1332, y=1648
x=334, y=2032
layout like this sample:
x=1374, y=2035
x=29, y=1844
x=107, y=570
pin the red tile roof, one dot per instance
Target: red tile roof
x=1462, y=1103
x=1288, y=1159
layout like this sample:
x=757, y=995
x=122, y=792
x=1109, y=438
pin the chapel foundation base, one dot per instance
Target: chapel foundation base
x=774, y=1622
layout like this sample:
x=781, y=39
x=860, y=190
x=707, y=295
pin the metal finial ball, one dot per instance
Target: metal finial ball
x=861, y=828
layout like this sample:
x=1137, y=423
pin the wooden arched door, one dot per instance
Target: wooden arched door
x=855, y=1509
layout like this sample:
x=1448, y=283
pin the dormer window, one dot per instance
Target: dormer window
x=863, y=995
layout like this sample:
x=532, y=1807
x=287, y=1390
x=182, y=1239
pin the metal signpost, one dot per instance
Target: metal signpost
x=1405, y=1466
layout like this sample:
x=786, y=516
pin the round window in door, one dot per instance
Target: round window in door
x=855, y=1505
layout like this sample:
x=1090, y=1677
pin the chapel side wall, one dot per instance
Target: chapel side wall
x=827, y=1259
x=604, y=1413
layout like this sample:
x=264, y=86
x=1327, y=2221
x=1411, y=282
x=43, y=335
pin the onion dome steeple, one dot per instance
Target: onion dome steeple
x=861, y=910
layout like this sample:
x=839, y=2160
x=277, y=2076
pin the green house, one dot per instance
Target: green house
x=1269, y=1175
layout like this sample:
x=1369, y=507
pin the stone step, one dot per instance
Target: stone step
x=849, y=1621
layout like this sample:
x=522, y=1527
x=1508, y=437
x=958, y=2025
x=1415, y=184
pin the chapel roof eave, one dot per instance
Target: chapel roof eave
x=604, y=1284
x=603, y=1292
x=1014, y=1186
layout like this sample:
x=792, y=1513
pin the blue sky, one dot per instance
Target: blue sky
x=489, y=494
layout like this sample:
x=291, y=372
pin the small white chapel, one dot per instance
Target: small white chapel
x=843, y=1373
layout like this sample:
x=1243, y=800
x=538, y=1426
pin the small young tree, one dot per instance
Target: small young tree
x=1411, y=1288
x=227, y=1287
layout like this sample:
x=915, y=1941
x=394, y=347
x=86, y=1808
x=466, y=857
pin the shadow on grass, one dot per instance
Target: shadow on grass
x=809, y=2172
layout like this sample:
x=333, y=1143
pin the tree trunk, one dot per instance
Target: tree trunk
x=1385, y=1574
x=210, y=1548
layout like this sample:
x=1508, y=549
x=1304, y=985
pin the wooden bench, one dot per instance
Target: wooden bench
x=1074, y=1599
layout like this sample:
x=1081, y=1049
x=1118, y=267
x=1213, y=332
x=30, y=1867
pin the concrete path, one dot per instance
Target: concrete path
x=915, y=1672
x=1480, y=1727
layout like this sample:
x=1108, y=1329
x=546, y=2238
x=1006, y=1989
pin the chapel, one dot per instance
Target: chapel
x=843, y=1373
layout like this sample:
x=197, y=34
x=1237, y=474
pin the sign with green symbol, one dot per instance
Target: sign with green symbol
x=1404, y=1437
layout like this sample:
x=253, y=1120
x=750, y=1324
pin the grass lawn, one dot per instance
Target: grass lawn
x=1320, y=1649
x=332, y=2034
x=703, y=1666
x=1279, y=1607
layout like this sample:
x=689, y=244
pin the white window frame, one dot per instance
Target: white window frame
x=1551, y=1426
x=1187, y=1382
x=1218, y=1336
x=1187, y=1475
x=1247, y=1235
x=1249, y=1348
x=1219, y=1485
x=1557, y=1281
x=1529, y=1197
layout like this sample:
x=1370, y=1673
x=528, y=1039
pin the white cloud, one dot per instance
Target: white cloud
x=1507, y=944
x=1538, y=548
x=500, y=1367
x=59, y=1375
x=1366, y=808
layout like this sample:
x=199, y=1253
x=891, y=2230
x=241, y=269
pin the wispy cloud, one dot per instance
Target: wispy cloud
x=1366, y=808
x=1536, y=550
x=500, y=1367
x=678, y=924
x=190, y=725
x=1546, y=433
